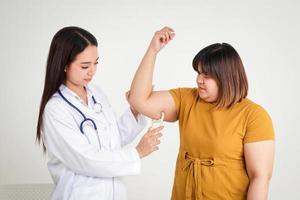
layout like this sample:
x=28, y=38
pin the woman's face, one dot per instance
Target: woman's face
x=81, y=71
x=207, y=87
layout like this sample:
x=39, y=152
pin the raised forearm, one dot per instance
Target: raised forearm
x=141, y=86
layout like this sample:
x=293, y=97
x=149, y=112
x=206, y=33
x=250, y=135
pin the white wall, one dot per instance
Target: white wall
x=265, y=33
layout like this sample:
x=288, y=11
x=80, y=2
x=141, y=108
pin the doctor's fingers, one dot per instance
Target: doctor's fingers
x=154, y=139
x=153, y=131
x=156, y=136
x=152, y=136
x=155, y=148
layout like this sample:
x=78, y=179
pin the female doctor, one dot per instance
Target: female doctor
x=78, y=127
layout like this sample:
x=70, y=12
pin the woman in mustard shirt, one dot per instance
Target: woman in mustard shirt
x=226, y=140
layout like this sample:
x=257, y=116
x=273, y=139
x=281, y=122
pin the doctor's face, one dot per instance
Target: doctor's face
x=81, y=71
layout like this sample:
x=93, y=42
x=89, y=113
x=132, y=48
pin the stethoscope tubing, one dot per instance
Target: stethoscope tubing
x=85, y=119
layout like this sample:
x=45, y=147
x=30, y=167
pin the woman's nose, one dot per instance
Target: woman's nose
x=200, y=79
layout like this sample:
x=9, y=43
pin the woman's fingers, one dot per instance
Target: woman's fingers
x=170, y=33
x=165, y=35
x=167, y=28
x=161, y=38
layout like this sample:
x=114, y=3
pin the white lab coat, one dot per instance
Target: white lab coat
x=79, y=168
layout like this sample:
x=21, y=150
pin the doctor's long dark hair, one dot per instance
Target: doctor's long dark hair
x=66, y=44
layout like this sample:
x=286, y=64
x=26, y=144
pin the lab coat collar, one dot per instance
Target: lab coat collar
x=63, y=88
x=78, y=102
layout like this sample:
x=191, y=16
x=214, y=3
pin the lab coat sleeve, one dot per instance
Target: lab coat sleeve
x=129, y=127
x=65, y=141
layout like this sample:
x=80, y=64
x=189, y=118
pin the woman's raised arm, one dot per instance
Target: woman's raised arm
x=142, y=97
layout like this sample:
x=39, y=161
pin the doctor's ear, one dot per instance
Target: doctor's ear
x=65, y=70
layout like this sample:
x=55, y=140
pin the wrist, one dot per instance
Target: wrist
x=152, y=51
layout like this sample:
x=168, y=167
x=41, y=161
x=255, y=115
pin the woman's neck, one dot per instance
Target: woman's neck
x=79, y=90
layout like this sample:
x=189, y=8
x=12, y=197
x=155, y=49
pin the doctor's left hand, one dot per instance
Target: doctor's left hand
x=149, y=142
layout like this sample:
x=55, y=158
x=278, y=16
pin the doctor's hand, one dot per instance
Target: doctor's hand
x=161, y=38
x=149, y=142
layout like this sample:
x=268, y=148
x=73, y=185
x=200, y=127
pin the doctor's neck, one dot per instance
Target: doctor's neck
x=77, y=89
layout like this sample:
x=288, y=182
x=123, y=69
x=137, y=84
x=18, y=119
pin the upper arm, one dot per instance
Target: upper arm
x=259, y=157
x=158, y=102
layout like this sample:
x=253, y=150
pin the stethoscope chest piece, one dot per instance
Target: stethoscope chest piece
x=97, y=108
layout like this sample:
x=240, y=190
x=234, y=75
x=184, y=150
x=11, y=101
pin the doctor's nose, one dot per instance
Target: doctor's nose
x=92, y=70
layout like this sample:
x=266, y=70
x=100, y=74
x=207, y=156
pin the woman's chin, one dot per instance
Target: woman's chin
x=202, y=94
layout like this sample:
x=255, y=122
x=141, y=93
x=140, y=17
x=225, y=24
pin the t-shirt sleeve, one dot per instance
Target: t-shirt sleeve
x=176, y=94
x=259, y=126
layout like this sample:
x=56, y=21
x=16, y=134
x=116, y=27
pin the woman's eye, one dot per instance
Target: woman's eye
x=84, y=67
x=205, y=75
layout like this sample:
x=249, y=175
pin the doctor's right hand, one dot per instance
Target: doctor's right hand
x=149, y=142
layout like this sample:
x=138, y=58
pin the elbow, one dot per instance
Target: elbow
x=135, y=103
x=261, y=176
x=138, y=103
x=132, y=101
x=144, y=107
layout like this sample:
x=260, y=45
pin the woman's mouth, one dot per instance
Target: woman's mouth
x=201, y=88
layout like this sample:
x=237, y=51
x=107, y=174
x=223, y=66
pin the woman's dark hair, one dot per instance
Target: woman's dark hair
x=66, y=44
x=222, y=62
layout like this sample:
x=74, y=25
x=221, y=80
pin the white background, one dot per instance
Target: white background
x=265, y=33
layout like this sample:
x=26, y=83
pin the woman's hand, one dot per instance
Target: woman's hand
x=149, y=142
x=161, y=38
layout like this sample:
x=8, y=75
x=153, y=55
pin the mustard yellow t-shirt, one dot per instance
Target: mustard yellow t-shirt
x=210, y=163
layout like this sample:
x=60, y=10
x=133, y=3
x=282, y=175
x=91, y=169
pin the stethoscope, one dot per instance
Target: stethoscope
x=97, y=108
